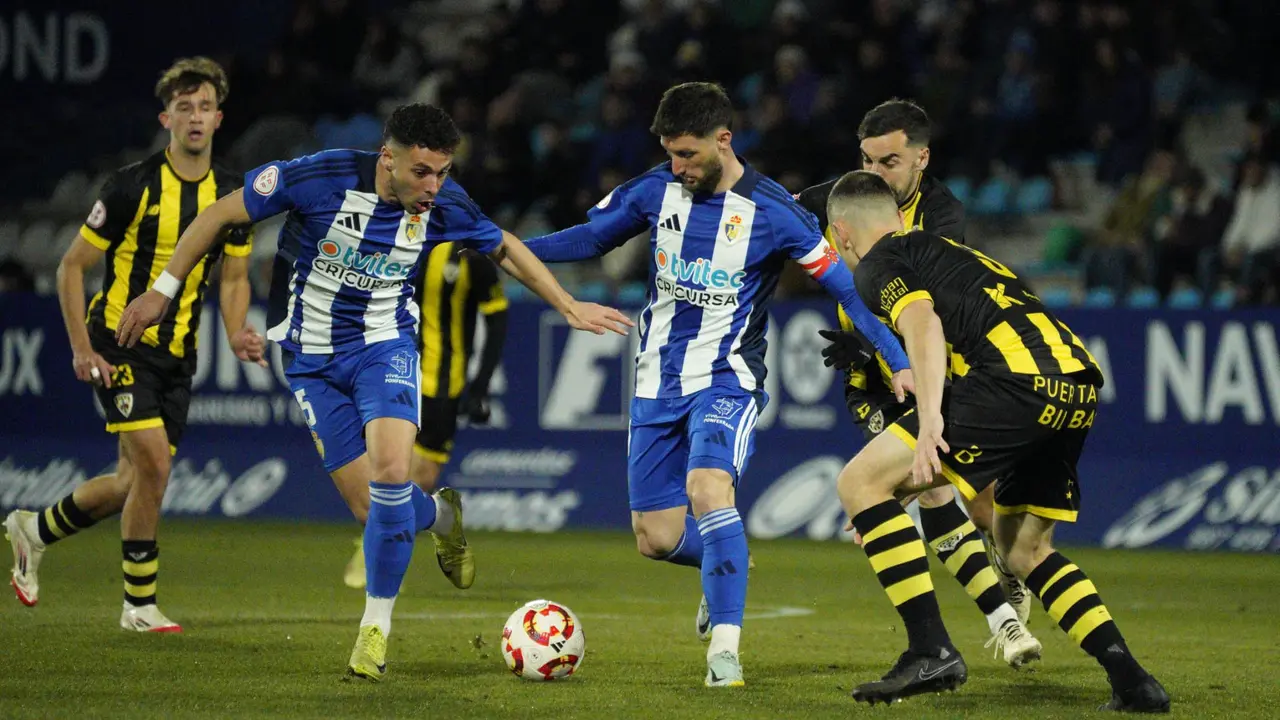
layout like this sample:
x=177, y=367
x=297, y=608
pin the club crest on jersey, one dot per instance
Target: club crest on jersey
x=733, y=228
x=413, y=228
x=124, y=403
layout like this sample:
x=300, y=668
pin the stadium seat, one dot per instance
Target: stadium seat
x=1224, y=299
x=961, y=187
x=632, y=294
x=1056, y=297
x=992, y=197
x=1143, y=297
x=1100, y=297
x=1185, y=299
x=1035, y=195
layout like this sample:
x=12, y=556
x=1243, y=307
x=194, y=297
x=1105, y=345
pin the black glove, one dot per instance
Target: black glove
x=847, y=350
x=474, y=404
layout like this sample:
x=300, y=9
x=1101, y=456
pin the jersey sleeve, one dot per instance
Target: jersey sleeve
x=282, y=186
x=457, y=218
x=947, y=219
x=239, y=241
x=112, y=212
x=814, y=199
x=486, y=286
x=887, y=284
x=617, y=218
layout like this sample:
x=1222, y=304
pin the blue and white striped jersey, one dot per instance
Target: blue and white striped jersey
x=347, y=260
x=714, y=262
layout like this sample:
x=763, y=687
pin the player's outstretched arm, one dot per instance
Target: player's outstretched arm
x=836, y=279
x=513, y=257
x=921, y=329
x=147, y=309
x=233, y=301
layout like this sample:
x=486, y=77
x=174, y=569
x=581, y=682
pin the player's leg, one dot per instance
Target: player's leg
x=982, y=511
x=657, y=458
x=431, y=451
x=30, y=533
x=866, y=487
x=1073, y=602
x=1041, y=490
x=959, y=545
x=147, y=451
x=721, y=430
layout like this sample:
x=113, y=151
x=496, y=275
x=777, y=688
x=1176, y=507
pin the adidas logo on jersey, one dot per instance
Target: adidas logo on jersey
x=671, y=223
x=352, y=223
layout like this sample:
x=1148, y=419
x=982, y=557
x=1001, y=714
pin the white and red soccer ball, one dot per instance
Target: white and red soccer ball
x=543, y=641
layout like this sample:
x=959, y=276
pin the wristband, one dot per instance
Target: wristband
x=167, y=285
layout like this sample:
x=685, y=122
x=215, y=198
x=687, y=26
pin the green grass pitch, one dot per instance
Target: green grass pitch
x=269, y=627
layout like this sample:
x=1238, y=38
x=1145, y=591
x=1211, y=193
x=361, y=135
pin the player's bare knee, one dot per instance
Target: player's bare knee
x=981, y=512
x=391, y=470
x=853, y=486
x=653, y=541
x=937, y=497
x=1025, y=553
x=709, y=490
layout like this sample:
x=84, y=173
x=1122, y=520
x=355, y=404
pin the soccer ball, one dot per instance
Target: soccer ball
x=543, y=641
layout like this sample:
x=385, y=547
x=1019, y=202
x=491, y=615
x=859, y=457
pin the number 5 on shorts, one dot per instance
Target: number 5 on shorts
x=307, y=412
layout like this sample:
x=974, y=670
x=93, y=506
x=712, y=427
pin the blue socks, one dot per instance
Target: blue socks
x=424, y=509
x=724, y=565
x=388, y=537
x=688, y=551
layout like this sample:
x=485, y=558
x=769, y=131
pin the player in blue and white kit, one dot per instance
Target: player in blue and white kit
x=719, y=234
x=359, y=226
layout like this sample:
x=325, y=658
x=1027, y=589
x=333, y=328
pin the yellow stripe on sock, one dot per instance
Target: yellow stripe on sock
x=1056, y=577
x=897, y=556
x=1087, y=623
x=903, y=591
x=963, y=553
x=140, y=591
x=52, y=521
x=142, y=569
x=901, y=522
x=981, y=582
x=1073, y=595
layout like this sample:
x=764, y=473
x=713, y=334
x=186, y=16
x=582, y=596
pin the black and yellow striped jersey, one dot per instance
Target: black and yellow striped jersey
x=455, y=285
x=992, y=321
x=141, y=212
x=932, y=208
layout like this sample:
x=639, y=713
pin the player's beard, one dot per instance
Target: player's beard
x=711, y=174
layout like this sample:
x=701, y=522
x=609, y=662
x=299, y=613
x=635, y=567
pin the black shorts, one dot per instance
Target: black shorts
x=875, y=413
x=150, y=388
x=1022, y=432
x=439, y=425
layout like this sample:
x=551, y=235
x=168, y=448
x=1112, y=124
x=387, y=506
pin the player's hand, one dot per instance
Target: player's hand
x=91, y=368
x=474, y=405
x=928, y=442
x=846, y=351
x=903, y=382
x=857, y=536
x=145, y=311
x=249, y=346
x=597, y=318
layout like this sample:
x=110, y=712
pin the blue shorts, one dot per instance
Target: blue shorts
x=341, y=393
x=712, y=428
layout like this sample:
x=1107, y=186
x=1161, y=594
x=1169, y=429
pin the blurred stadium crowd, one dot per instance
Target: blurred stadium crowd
x=1119, y=152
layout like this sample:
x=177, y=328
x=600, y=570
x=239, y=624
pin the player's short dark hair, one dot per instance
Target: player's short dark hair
x=420, y=125
x=692, y=108
x=186, y=75
x=860, y=186
x=894, y=115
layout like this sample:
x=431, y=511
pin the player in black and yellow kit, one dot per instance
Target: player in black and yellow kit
x=894, y=140
x=1023, y=396
x=135, y=224
x=455, y=286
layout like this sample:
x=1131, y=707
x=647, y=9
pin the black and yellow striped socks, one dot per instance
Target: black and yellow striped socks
x=62, y=520
x=141, y=565
x=960, y=547
x=898, y=558
x=1073, y=602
